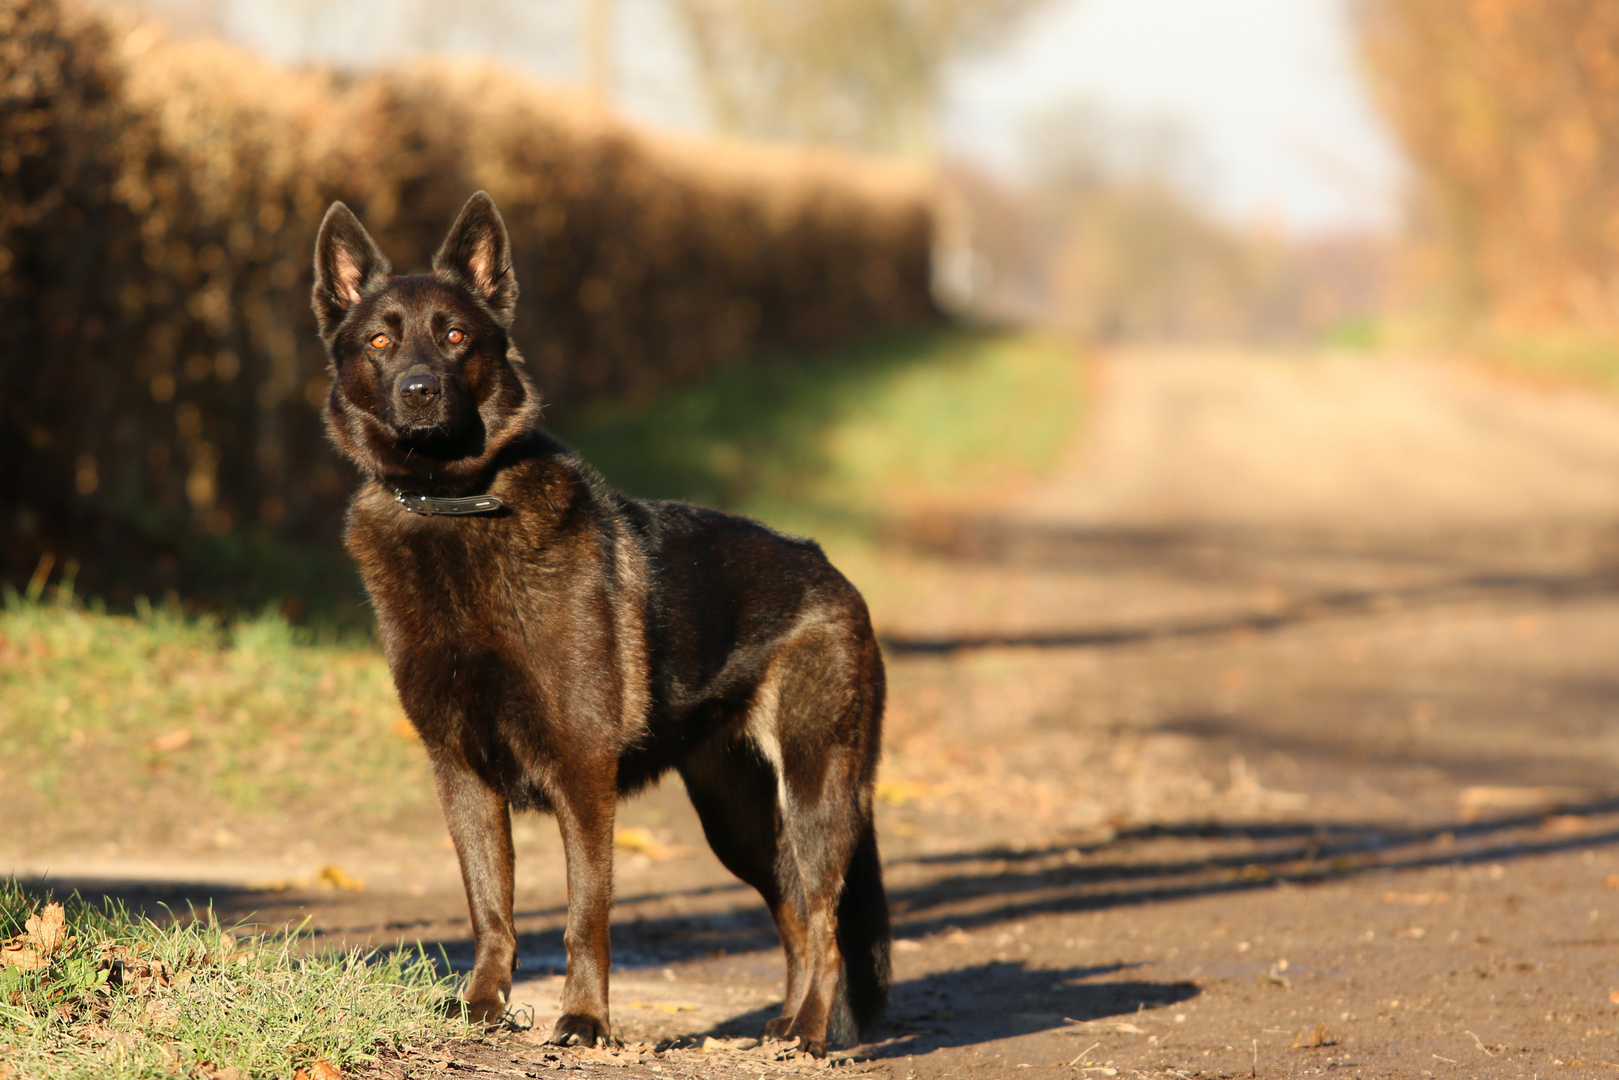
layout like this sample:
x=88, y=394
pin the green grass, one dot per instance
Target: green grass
x=125, y=997
x=158, y=729
x=839, y=442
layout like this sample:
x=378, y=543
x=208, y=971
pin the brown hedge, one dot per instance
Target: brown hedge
x=158, y=200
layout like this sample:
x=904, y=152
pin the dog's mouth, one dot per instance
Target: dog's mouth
x=443, y=434
x=424, y=431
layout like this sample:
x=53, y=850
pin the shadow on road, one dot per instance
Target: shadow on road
x=1468, y=566
x=981, y=1002
x=973, y=889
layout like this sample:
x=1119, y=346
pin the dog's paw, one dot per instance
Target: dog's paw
x=777, y=1028
x=579, y=1029
x=815, y=1048
x=485, y=1011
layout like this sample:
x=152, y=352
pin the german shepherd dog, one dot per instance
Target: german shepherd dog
x=559, y=646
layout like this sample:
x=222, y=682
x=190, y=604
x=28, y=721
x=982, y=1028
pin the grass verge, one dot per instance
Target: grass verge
x=837, y=443
x=161, y=730
x=90, y=991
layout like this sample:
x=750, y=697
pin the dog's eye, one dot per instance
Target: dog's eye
x=380, y=341
x=456, y=335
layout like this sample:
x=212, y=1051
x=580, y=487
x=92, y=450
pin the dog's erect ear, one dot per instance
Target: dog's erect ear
x=347, y=263
x=478, y=256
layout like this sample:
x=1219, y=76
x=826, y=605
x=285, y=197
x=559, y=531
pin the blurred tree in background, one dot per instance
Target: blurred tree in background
x=1510, y=113
x=1112, y=239
x=860, y=73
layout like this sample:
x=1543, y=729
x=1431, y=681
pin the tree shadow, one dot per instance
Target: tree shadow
x=983, y=886
x=1018, y=884
x=1456, y=568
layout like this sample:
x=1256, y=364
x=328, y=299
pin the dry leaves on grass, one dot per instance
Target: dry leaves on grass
x=320, y=1070
x=125, y=968
x=207, y=1071
x=43, y=936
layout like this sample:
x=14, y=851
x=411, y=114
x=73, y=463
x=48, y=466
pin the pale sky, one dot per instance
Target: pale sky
x=1266, y=90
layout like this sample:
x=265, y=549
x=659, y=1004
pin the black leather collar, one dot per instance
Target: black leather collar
x=429, y=504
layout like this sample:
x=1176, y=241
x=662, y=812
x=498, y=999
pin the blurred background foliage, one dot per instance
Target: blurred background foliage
x=862, y=73
x=1510, y=114
x=710, y=315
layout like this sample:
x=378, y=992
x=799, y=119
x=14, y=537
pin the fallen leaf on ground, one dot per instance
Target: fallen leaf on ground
x=899, y=792
x=46, y=929
x=1415, y=897
x=338, y=878
x=165, y=744
x=642, y=842
x=42, y=937
x=14, y=954
x=1313, y=1037
x=1564, y=823
x=1484, y=797
x=320, y=1070
x=206, y=1071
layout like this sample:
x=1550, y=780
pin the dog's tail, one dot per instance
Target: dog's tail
x=863, y=939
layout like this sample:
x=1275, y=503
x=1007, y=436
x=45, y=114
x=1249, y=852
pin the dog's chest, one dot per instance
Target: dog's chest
x=480, y=622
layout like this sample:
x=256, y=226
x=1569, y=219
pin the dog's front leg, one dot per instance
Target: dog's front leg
x=481, y=827
x=585, y=804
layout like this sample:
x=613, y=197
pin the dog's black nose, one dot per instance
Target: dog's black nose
x=418, y=390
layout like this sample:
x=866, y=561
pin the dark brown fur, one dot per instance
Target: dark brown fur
x=574, y=645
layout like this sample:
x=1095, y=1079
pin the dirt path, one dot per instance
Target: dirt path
x=1285, y=714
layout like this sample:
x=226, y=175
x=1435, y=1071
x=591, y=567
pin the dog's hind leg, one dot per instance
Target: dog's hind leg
x=733, y=789
x=823, y=740
x=481, y=828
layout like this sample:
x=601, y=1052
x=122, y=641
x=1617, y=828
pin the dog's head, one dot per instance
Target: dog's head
x=426, y=385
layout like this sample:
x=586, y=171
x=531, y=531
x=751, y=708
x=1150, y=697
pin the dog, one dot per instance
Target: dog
x=559, y=646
